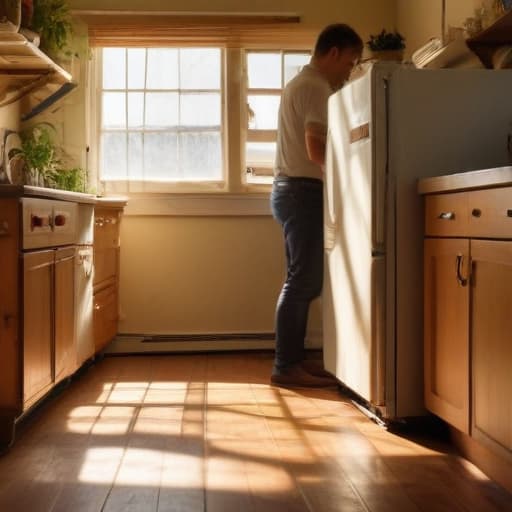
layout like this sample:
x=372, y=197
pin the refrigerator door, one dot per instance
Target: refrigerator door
x=354, y=282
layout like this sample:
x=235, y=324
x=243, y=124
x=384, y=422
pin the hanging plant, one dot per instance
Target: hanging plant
x=51, y=19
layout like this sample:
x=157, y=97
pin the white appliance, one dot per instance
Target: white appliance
x=387, y=128
x=84, y=333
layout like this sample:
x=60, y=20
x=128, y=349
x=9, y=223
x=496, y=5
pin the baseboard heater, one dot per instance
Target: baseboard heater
x=160, y=338
x=211, y=342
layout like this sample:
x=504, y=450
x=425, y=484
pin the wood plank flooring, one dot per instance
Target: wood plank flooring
x=206, y=433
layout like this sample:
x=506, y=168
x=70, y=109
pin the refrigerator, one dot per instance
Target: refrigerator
x=387, y=128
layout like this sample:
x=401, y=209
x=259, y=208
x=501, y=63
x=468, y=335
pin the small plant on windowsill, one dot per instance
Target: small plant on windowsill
x=387, y=45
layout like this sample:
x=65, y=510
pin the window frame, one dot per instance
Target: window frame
x=149, y=186
x=265, y=175
x=234, y=128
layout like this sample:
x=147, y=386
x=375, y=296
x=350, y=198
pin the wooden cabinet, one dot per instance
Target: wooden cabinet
x=10, y=337
x=64, y=297
x=37, y=325
x=446, y=327
x=491, y=340
x=49, y=351
x=106, y=274
x=468, y=313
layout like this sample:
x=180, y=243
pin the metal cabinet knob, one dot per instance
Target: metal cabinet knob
x=446, y=216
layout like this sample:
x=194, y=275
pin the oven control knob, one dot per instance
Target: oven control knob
x=59, y=220
x=36, y=221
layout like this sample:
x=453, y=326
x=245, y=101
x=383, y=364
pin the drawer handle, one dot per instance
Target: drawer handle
x=509, y=213
x=446, y=216
x=4, y=228
x=476, y=212
x=461, y=280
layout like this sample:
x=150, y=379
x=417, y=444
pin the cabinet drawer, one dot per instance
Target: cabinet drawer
x=105, y=264
x=490, y=213
x=106, y=227
x=446, y=215
x=105, y=317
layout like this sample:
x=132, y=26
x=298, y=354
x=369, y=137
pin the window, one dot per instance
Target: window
x=161, y=115
x=267, y=74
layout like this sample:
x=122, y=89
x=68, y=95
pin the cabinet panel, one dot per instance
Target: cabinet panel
x=490, y=213
x=37, y=324
x=446, y=215
x=106, y=227
x=446, y=330
x=491, y=328
x=105, y=317
x=105, y=264
x=10, y=364
x=65, y=350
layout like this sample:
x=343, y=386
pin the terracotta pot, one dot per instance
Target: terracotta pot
x=388, y=55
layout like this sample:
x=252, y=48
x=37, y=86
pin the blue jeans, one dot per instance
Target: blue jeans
x=297, y=204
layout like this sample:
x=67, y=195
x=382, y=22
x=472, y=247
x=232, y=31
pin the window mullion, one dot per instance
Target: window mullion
x=127, y=139
x=144, y=114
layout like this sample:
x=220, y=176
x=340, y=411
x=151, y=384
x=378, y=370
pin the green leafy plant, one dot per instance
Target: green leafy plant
x=386, y=41
x=39, y=152
x=74, y=179
x=44, y=161
x=52, y=21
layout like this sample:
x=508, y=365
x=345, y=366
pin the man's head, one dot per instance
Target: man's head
x=337, y=50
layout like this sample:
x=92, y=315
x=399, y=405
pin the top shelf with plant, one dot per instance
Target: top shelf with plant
x=26, y=69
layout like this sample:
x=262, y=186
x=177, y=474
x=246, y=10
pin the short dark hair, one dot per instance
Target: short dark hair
x=337, y=35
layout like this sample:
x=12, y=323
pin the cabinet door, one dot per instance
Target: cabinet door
x=446, y=330
x=37, y=324
x=65, y=350
x=10, y=380
x=105, y=317
x=491, y=328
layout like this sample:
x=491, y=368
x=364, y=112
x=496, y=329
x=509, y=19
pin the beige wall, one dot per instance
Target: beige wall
x=199, y=274
x=367, y=16
x=420, y=20
x=217, y=274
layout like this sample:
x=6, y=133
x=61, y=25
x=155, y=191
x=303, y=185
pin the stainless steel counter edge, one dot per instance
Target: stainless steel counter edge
x=485, y=178
x=62, y=195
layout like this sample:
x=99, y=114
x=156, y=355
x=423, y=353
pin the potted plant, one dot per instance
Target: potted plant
x=387, y=45
x=51, y=19
x=44, y=163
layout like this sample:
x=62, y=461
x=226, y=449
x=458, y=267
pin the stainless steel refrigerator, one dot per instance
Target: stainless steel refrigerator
x=387, y=128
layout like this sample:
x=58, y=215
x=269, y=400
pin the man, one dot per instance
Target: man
x=297, y=197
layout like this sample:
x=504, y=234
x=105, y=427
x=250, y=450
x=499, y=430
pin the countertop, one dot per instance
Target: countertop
x=62, y=195
x=485, y=178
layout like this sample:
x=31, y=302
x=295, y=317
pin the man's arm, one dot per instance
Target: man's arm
x=316, y=136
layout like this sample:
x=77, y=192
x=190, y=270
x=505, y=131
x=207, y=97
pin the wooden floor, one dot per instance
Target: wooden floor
x=207, y=433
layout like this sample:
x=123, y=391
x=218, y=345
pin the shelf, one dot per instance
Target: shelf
x=25, y=71
x=489, y=40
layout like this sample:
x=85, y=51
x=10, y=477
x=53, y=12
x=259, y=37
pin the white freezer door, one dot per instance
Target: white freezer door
x=354, y=283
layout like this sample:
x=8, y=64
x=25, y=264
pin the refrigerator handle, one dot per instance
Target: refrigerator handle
x=330, y=213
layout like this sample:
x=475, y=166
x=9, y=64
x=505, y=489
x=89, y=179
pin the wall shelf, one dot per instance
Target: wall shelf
x=26, y=72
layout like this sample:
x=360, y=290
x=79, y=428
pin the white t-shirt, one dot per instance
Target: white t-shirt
x=304, y=100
